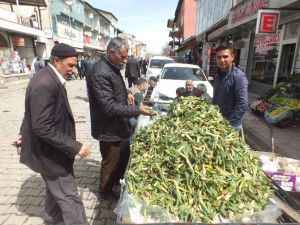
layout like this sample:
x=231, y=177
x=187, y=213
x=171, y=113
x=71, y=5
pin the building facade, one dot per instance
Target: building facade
x=21, y=36
x=266, y=59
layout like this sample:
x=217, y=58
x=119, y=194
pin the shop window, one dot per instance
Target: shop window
x=264, y=66
x=3, y=42
x=291, y=30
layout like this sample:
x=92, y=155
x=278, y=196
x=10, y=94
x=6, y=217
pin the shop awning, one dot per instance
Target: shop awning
x=27, y=2
x=187, y=43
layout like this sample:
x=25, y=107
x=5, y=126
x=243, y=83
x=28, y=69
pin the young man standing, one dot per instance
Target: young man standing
x=230, y=87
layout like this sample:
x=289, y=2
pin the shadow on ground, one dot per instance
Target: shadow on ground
x=31, y=197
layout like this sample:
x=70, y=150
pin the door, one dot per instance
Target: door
x=286, y=64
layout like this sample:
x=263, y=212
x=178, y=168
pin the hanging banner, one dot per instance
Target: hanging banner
x=267, y=21
x=265, y=43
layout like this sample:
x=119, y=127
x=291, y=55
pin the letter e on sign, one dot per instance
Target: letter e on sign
x=267, y=22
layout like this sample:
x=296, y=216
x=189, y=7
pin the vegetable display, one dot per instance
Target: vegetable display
x=195, y=166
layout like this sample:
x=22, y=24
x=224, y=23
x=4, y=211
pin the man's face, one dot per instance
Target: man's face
x=189, y=85
x=66, y=66
x=153, y=83
x=144, y=87
x=118, y=59
x=224, y=59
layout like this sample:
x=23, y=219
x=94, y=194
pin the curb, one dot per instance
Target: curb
x=254, y=140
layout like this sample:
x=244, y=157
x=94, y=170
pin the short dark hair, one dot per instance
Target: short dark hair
x=224, y=46
x=141, y=81
x=153, y=78
x=181, y=91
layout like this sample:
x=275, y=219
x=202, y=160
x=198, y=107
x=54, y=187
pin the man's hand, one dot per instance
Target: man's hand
x=146, y=110
x=17, y=142
x=84, y=151
x=130, y=99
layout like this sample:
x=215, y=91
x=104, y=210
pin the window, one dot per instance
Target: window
x=158, y=63
x=181, y=73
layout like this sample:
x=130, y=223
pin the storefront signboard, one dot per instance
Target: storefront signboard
x=246, y=12
x=267, y=22
x=68, y=32
x=264, y=43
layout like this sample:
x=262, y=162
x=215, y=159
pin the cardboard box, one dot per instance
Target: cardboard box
x=285, y=180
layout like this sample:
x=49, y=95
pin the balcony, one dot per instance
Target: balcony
x=11, y=21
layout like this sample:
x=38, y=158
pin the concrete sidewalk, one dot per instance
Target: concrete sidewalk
x=258, y=135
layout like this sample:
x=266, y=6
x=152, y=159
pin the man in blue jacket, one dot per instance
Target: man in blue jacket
x=230, y=87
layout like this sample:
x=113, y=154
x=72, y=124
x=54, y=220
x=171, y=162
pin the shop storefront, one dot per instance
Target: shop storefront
x=93, y=45
x=266, y=59
x=17, y=53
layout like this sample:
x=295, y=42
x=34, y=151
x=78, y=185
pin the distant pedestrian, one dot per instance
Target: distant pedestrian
x=230, y=87
x=47, y=137
x=38, y=65
x=152, y=82
x=111, y=108
x=132, y=71
x=143, y=66
x=138, y=92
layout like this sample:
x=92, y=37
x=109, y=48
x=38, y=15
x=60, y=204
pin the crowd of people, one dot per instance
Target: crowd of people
x=47, y=134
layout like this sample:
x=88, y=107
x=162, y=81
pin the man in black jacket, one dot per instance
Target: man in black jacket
x=132, y=71
x=111, y=108
x=47, y=137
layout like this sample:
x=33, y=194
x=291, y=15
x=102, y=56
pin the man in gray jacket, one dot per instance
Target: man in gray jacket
x=230, y=87
x=111, y=108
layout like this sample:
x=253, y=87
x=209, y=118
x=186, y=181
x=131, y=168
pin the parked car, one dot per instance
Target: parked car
x=156, y=63
x=173, y=76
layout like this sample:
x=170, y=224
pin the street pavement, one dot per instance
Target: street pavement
x=22, y=191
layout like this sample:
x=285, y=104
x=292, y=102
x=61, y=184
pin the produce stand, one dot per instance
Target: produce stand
x=280, y=105
x=290, y=210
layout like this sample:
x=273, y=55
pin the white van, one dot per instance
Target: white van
x=156, y=63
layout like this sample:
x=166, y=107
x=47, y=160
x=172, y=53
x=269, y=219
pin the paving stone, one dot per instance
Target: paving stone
x=34, y=210
x=15, y=209
x=3, y=208
x=3, y=218
x=16, y=220
x=33, y=200
x=34, y=221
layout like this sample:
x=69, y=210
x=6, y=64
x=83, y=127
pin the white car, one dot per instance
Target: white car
x=156, y=63
x=173, y=76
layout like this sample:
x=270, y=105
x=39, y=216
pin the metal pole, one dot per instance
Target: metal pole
x=18, y=12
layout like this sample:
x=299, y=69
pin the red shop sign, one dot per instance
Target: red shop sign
x=267, y=22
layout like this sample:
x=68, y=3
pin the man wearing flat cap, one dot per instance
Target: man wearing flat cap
x=47, y=137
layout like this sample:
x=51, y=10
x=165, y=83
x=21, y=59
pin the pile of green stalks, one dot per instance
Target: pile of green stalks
x=195, y=166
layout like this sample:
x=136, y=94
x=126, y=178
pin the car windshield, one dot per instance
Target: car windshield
x=159, y=63
x=183, y=73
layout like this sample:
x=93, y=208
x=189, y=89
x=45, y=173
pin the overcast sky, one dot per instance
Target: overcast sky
x=146, y=19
